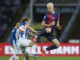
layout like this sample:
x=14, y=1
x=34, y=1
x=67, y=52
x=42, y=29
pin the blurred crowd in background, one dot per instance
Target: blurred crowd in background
x=8, y=9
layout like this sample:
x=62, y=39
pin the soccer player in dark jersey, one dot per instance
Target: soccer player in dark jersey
x=49, y=23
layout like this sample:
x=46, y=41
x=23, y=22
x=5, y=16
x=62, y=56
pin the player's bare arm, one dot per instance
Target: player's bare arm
x=31, y=34
x=58, y=25
x=31, y=29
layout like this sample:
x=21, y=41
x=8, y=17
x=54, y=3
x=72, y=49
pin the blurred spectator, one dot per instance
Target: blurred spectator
x=5, y=15
x=8, y=9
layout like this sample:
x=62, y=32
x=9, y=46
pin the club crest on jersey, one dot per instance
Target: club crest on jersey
x=53, y=17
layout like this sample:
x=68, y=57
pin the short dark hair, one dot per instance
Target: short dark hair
x=17, y=22
x=24, y=19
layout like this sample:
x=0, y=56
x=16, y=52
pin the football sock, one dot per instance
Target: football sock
x=51, y=47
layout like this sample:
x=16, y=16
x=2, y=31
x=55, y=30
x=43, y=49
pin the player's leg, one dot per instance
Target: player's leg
x=26, y=43
x=17, y=50
x=20, y=46
x=40, y=34
x=15, y=56
x=27, y=57
x=25, y=53
x=33, y=49
x=56, y=45
x=56, y=42
x=52, y=39
x=33, y=43
x=12, y=57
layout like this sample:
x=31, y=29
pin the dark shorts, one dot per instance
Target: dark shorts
x=49, y=36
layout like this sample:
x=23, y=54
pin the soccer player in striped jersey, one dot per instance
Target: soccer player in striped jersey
x=24, y=42
x=14, y=38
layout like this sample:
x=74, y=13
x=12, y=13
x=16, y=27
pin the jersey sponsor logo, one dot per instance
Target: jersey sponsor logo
x=53, y=17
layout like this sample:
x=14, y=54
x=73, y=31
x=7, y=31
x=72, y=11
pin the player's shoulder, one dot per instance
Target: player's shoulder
x=23, y=24
x=14, y=29
x=46, y=14
x=56, y=13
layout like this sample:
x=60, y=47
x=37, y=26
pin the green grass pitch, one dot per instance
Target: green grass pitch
x=46, y=58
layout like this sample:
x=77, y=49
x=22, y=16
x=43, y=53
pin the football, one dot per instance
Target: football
x=48, y=30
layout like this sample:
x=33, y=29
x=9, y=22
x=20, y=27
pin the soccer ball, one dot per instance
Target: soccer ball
x=48, y=30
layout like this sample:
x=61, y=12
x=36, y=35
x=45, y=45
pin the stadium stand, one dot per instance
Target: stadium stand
x=58, y=1
x=16, y=9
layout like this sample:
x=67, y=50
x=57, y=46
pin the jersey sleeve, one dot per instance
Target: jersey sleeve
x=58, y=16
x=45, y=17
x=12, y=36
x=22, y=28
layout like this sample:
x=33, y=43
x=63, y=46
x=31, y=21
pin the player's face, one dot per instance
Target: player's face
x=50, y=9
x=18, y=24
x=29, y=22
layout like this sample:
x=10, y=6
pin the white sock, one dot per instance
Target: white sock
x=24, y=59
x=12, y=57
x=44, y=48
x=16, y=57
x=34, y=46
x=33, y=51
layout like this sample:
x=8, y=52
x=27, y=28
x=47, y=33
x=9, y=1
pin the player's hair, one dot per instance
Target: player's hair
x=17, y=23
x=24, y=19
x=50, y=4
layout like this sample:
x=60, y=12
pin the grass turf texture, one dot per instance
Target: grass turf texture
x=46, y=58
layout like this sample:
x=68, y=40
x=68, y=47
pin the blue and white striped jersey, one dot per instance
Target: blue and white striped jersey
x=14, y=35
x=26, y=33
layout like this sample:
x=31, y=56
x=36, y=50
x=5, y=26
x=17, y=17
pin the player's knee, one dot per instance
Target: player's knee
x=35, y=44
x=56, y=42
x=39, y=35
x=25, y=54
x=17, y=54
x=58, y=45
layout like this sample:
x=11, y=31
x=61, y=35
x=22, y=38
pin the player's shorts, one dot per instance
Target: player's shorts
x=23, y=44
x=49, y=36
x=16, y=50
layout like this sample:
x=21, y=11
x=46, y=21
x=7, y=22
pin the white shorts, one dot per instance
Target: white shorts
x=23, y=44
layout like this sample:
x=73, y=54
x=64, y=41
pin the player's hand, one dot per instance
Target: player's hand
x=59, y=27
x=51, y=24
x=37, y=32
x=35, y=38
x=12, y=46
